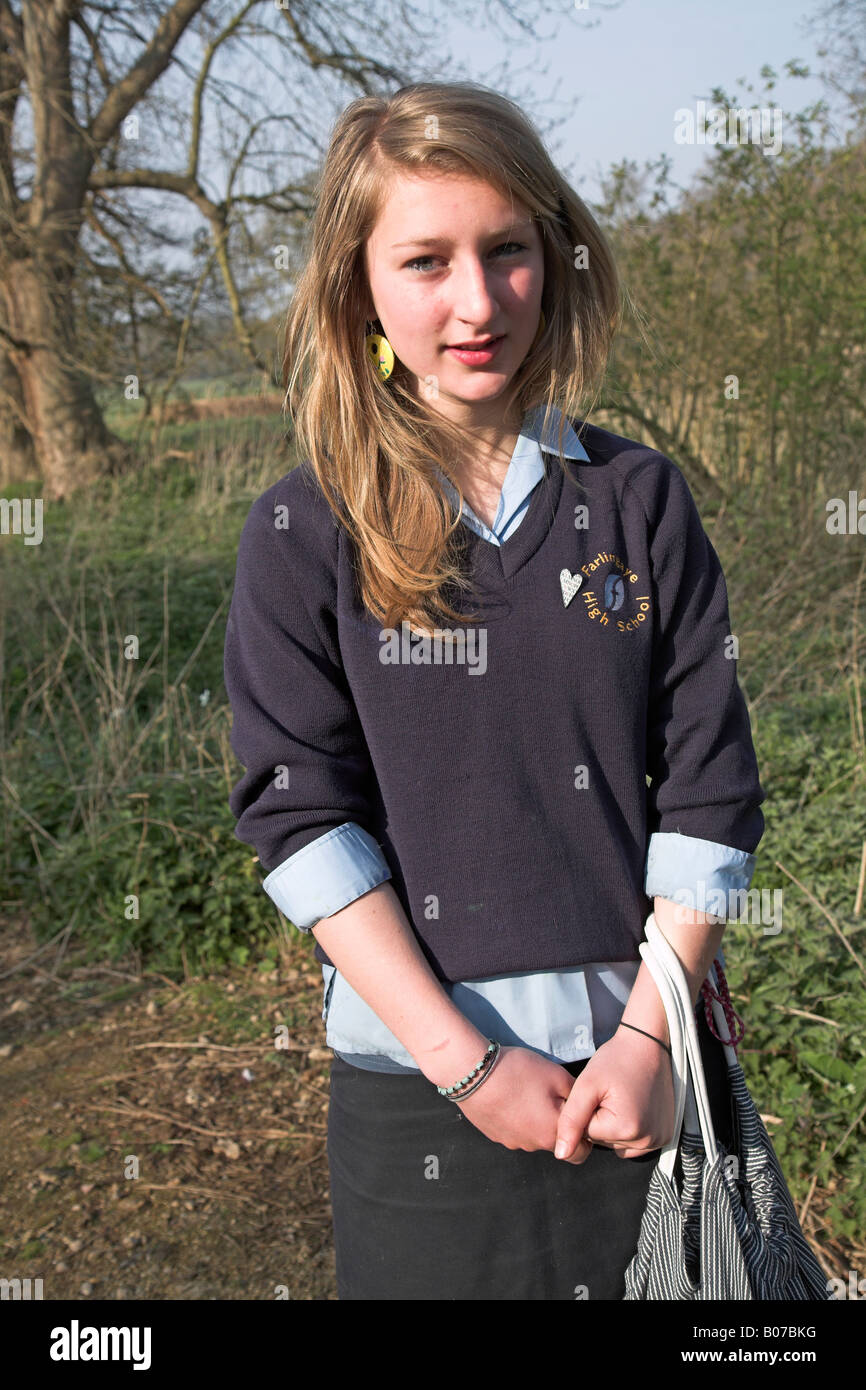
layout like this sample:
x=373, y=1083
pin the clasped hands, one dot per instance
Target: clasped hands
x=623, y=1099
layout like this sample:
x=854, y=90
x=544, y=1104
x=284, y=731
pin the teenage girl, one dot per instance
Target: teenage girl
x=478, y=659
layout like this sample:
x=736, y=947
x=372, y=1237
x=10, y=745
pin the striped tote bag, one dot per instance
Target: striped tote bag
x=717, y=1225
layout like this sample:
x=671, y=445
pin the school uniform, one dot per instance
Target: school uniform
x=499, y=782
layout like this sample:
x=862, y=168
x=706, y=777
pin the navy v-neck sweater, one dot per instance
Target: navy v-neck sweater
x=600, y=657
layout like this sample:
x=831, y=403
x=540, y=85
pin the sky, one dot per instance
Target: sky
x=620, y=81
x=613, y=74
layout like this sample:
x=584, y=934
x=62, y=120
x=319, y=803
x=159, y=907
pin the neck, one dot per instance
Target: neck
x=487, y=452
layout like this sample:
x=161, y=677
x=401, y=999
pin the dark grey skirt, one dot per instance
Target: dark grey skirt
x=427, y=1207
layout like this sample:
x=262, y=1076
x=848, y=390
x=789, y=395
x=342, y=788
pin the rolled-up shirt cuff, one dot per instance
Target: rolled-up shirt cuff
x=698, y=874
x=327, y=874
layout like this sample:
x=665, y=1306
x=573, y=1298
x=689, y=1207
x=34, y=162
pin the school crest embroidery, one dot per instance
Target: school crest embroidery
x=615, y=598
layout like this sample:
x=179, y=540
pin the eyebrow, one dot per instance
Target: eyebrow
x=443, y=241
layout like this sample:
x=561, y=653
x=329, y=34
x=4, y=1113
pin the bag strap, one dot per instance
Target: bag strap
x=667, y=971
x=679, y=1060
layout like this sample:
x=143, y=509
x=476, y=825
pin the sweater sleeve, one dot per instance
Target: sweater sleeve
x=700, y=754
x=295, y=727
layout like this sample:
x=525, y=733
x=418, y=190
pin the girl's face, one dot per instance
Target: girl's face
x=451, y=262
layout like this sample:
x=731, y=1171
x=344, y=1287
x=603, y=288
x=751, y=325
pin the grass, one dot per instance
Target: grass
x=115, y=759
x=116, y=767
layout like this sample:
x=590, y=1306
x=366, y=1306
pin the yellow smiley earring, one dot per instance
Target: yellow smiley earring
x=380, y=353
x=541, y=326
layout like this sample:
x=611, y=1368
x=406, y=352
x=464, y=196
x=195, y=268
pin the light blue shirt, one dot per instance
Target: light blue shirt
x=563, y=1014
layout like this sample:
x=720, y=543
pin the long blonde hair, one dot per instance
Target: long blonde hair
x=373, y=444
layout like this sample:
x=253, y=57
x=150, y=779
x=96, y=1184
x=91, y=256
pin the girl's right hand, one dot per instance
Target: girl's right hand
x=519, y=1103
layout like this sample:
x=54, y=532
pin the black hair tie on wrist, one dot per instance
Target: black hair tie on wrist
x=648, y=1035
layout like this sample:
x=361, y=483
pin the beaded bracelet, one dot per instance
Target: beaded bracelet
x=464, y=1095
x=447, y=1090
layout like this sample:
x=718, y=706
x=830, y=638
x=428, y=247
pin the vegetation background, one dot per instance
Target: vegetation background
x=115, y=773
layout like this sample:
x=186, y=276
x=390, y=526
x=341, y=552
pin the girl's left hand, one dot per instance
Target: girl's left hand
x=623, y=1099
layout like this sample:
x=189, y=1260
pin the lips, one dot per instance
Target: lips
x=476, y=347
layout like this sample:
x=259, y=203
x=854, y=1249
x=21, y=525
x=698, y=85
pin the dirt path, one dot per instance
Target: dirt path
x=154, y=1142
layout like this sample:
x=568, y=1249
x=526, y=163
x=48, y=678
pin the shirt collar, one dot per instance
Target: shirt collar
x=527, y=466
x=531, y=430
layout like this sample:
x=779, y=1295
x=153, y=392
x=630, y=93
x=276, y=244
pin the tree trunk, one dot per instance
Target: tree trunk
x=43, y=390
x=70, y=444
x=17, y=460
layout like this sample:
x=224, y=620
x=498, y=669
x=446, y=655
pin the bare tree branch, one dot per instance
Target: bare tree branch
x=144, y=72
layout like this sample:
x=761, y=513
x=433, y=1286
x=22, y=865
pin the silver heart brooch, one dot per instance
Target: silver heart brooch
x=569, y=583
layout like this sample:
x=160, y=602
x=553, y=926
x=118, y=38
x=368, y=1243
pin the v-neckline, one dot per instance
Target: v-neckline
x=498, y=563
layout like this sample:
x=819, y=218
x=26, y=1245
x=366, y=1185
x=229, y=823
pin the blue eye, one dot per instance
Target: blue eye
x=419, y=260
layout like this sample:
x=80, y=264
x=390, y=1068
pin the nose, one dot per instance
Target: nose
x=473, y=302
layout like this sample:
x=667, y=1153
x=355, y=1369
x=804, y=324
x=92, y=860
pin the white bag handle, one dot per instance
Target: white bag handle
x=668, y=1155
x=691, y=1099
